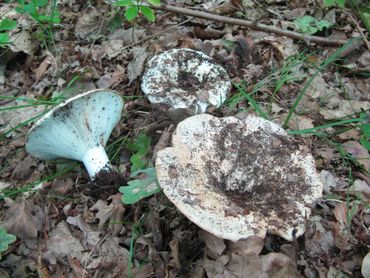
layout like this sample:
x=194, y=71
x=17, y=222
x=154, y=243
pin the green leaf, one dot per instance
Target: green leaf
x=154, y=2
x=40, y=3
x=331, y=3
x=365, y=129
x=140, y=147
x=141, y=187
x=5, y=239
x=4, y=38
x=138, y=161
x=7, y=24
x=364, y=14
x=322, y=24
x=364, y=141
x=309, y=25
x=124, y=3
x=148, y=13
x=131, y=13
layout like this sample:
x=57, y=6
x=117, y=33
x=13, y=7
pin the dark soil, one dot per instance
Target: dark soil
x=106, y=183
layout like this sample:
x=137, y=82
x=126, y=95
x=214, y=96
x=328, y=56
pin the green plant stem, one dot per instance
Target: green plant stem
x=316, y=128
x=332, y=58
x=251, y=100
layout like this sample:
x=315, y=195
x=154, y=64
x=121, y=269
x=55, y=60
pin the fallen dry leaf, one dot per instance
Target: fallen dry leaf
x=246, y=247
x=25, y=168
x=24, y=219
x=358, y=152
x=340, y=213
x=78, y=270
x=112, y=212
x=61, y=243
x=43, y=67
x=328, y=180
x=164, y=141
x=22, y=42
x=360, y=187
x=318, y=240
x=136, y=66
x=245, y=266
x=278, y=265
x=174, y=246
x=344, y=108
x=4, y=185
x=215, y=245
x=11, y=118
x=88, y=23
x=63, y=186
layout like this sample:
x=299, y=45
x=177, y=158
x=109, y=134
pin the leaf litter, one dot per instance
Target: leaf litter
x=62, y=232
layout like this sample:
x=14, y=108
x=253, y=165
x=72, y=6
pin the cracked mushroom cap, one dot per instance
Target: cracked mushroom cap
x=185, y=78
x=239, y=177
x=77, y=129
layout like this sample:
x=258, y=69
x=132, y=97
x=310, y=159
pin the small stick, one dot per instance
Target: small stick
x=250, y=24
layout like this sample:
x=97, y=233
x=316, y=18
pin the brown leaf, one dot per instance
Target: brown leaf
x=245, y=266
x=112, y=212
x=340, y=213
x=208, y=33
x=215, y=245
x=174, y=246
x=278, y=265
x=63, y=186
x=164, y=141
x=42, y=68
x=88, y=23
x=24, y=169
x=136, y=66
x=62, y=243
x=78, y=270
x=358, y=152
x=24, y=219
x=318, y=240
x=247, y=247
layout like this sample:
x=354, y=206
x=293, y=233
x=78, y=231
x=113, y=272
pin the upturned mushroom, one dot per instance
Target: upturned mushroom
x=185, y=79
x=78, y=129
x=239, y=177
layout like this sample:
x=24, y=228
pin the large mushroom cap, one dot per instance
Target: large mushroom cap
x=185, y=78
x=236, y=178
x=74, y=127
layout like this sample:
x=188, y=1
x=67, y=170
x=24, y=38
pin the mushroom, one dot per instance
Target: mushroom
x=78, y=129
x=239, y=177
x=185, y=79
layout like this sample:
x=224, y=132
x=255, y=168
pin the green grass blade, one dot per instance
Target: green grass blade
x=251, y=100
x=316, y=128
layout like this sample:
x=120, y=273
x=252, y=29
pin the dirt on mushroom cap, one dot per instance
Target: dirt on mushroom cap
x=238, y=177
x=184, y=78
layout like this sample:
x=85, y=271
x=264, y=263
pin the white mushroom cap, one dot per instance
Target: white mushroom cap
x=78, y=129
x=237, y=178
x=185, y=78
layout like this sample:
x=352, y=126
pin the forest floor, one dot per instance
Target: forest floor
x=317, y=87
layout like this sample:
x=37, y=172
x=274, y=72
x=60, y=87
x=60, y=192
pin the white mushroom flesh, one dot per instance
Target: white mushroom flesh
x=77, y=129
x=184, y=78
x=236, y=178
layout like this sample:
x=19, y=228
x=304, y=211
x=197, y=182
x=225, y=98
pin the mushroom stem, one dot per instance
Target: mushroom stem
x=96, y=160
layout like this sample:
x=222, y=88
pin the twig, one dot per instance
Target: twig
x=359, y=29
x=151, y=36
x=250, y=24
